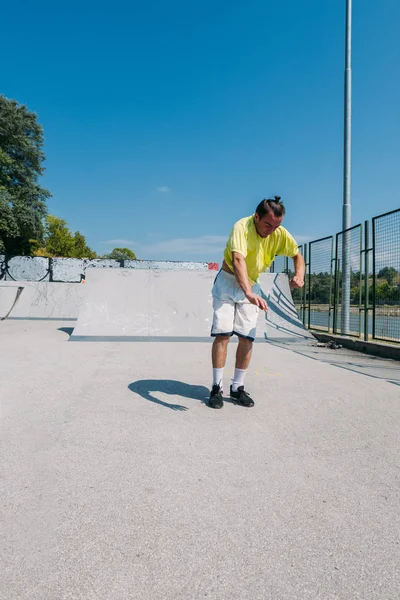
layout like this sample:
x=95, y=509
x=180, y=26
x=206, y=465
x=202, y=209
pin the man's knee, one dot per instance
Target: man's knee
x=222, y=339
x=245, y=342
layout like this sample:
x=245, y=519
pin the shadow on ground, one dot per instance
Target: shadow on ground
x=147, y=387
x=68, y=330
x=385, y=369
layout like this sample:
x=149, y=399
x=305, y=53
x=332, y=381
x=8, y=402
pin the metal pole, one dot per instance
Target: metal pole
x=309, y=285
x=305, y=288
x=330, y=292
x=366, y=282
x=373, y=279
x=336, y=287
x=360, y=308
x=346, y=221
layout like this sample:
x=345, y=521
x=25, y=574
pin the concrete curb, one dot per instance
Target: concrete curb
x=373, y=348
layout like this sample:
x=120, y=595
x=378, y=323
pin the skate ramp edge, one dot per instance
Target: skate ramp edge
x=160, y=305
x=9, y=296
x=41, y=300
x=282, y=321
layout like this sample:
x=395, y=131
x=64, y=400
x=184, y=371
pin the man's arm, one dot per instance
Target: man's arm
x=240, y=271
x=297, y=280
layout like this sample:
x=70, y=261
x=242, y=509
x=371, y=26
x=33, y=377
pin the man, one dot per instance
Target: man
x=251, y=248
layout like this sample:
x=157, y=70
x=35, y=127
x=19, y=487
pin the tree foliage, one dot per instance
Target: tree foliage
x=81, y=249
x=22, y=199
x=321, y=286
x=387, y=288
x=121, y=254
x=8, y=224
x=59, y=241
x=388, y=273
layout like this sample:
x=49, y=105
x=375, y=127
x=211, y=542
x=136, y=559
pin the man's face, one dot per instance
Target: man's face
x=267, y=224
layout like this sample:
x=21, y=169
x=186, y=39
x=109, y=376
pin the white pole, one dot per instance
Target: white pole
x=346, y=217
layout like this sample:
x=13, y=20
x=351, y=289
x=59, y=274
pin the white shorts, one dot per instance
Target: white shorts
x=233, y=313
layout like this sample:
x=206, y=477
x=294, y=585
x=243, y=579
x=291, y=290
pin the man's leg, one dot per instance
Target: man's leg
x=245, y=327
x=222, y=330
x=219, y=351
x=243, y=353
x=243, y=356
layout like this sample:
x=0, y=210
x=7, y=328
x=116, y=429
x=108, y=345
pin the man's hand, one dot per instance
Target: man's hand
x=257, y=300
x=296, y=282
x=299, y=272
x=240, y=270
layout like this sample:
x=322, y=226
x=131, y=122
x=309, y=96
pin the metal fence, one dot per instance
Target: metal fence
x=359, y=297
x=280, y=265
x=299, y=295
x=348, y=282
x=320, y=284
x=386, y=276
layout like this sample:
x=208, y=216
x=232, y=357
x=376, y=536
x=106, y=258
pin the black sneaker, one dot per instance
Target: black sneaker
x=216, y=400
x=242, y=397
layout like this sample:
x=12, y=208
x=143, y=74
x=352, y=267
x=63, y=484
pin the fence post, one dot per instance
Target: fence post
x=345, y=314
x=360, y=285
x=336, y=286
x=304, y=291
x=373, y=280
x=366, y=282
x=330, y=294
x=309, y=286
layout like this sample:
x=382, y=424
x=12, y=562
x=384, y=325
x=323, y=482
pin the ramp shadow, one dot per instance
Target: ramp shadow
x=147, y=387
x=67, y=330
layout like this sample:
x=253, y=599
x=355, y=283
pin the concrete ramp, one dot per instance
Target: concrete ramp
x=42, y=300
x=9, y=296
x=135, y=304
x=127, y=305
x=281, y=323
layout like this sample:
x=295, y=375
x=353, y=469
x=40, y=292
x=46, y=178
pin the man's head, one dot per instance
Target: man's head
x=268, y=216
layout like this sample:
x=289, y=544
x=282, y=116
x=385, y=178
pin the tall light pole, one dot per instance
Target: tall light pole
x=346, y=218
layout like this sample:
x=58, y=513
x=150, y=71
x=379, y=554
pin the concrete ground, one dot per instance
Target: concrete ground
x=118, y=482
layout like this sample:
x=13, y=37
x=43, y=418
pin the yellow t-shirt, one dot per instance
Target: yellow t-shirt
x=259, y=252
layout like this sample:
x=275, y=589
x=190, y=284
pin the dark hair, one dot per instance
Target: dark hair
x=273, y=204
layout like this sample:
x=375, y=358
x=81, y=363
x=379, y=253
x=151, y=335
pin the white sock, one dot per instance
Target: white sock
x=218, y=375
x=238, y=379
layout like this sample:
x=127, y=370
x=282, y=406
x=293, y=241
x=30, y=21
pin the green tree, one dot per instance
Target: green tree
x=81, y=249
x=354, y=278
x=8, y=225
x=21, y=165
x=382, y=291
x=388, y=273
x=59, y=241
x=122, y=254
x=320, y=288
x=355, y=294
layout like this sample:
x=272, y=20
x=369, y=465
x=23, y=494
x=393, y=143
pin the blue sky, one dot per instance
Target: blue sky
x=168, y=121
